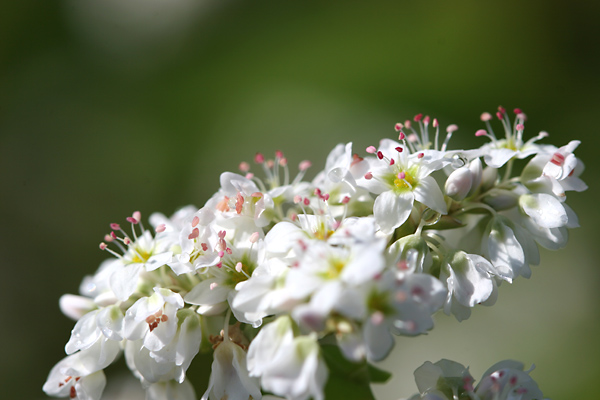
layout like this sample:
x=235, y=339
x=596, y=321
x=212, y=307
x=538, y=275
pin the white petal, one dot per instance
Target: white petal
x=391, y=209
x=124, y=280
x=429, y=193
x=545, y=210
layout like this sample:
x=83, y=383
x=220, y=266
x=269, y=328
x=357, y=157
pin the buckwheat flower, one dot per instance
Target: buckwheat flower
x=229, y=377
x=171, y=390
x=69, y=378
x=240, y=197
x=142, y=252
x=297, y=372
x=198, y=242
x=390, y=304
x=171, y=226
x=555, y=172
x=469, y=279
x=323, y=266
x=500, y=150
x=100, y=328
x=400, y=178
x=509, y=248
x=153, y=319
x=339, y=176
x=507, y=380
x=265, y=292
x=219, y=284
x=265, y=346
x=445, y=379
x=172, y=360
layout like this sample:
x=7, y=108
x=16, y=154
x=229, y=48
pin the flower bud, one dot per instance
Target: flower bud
x=488, y=178
x=459, y=183
x=500, y=199
x=477, y=172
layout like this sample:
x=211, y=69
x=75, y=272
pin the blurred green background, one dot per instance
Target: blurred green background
x=112, y=106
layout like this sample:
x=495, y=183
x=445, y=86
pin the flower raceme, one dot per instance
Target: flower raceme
x=273, y=273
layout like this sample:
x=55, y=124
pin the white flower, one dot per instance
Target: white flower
x=153, y=319
x=399, y=179
x=171, y=390
x=102, y=327
x=72, y=378
x=469, y=278
x=172, y=360
x=499, y=151
x=266, y=344
x=297, y=370
x=229, y=377
x=240, y=197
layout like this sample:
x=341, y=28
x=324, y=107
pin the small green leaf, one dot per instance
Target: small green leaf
x=377, y=375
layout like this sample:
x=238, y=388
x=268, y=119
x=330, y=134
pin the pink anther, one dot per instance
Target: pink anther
x=259, y=158
x=371, y=149
x=161, y=228
x=304, y=165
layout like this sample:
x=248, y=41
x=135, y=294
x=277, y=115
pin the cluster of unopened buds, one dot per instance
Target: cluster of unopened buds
x=285, y=281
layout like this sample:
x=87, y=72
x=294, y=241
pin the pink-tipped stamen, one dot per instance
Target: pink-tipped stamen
x=259, y=158
x=401, y=136
x=368, y=176
x=435, y=123
x=371, y=150
x=398, y=127
x=380, y=155
x=401, y=175
x=481, y=132
x=195, y=233
x=195, y=221
x=115, y=227
x=244, y=166
x=238, y=267
x=254, y=237
x=161, y=228
x=418, y=117
x=132, y=220
x=304, y=165
x=486, y=116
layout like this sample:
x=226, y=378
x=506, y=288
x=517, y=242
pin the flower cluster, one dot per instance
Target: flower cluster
x=270, y=273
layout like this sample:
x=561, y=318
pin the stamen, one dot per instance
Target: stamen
x=259, y=158
x=161, y=228
x=195, y=233
x=401, y=175
x=238, y=267
x=244, y=166
x=368, y=176
x=380, y=155
x=377, y=318
x=398, y=127
x=371, y=150
x=392, y=162
x=401, y=136
x=195, y=221
x=254, y=237
x=115, y=227
x=517, y=111
x=486, y=116
x=418, y=117
x=108, y=238
x=304, y=165
x=132, y=220
x=481, y=132
x=213, y=285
